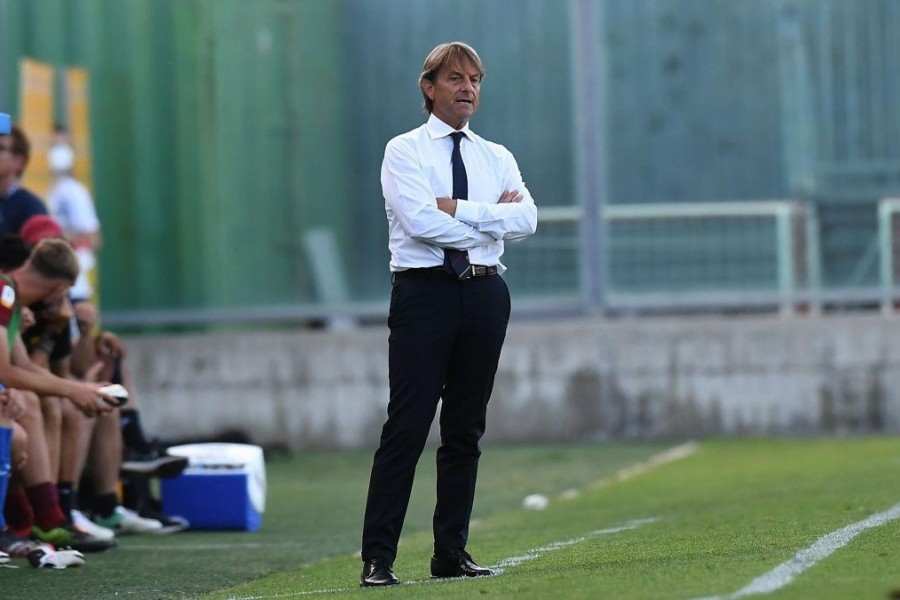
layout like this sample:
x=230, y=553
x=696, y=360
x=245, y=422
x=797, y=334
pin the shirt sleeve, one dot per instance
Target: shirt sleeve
x=507, y=221
x=7, y=303
x=408, y=194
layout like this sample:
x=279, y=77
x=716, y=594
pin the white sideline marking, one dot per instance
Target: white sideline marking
x=512, y=561
x=666, y=456
x=824, y=547
x=515, y=561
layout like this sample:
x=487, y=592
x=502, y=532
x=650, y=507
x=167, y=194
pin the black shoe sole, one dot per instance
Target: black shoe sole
x=165, y=467
x=386, y=583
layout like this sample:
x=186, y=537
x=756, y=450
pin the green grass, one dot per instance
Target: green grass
x=727, y=514
x=314, y=510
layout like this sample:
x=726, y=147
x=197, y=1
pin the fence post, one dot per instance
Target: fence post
x=787, y=280
x=813, y=259
x=590, y=94
x=886, y=252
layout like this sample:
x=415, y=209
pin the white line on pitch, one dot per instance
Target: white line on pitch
x=505, y=563
x=514, y=561
x=824, y=547
x=657, y=460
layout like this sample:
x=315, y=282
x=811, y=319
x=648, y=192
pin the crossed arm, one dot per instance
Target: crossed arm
x=449, y=222
x=448, y=205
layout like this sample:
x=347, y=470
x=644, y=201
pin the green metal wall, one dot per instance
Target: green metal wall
x=694, y=101
x=224, y=131
x=218, y=136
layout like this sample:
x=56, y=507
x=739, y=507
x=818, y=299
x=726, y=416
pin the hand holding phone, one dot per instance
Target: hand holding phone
x=117, y=391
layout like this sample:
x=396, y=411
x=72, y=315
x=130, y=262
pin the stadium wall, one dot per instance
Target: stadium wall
x=571, y=380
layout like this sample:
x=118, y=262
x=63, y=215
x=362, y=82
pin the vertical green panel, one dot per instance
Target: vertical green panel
x=277, y=147
x=44, y=30
x=153, y=193
x=108, y=54
x=694, y=107
x=323, y=123
x=5, y=57
x=249, y=149
x=11, y=42
x=192, y=130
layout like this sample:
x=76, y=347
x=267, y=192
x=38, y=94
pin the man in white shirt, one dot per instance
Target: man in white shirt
x=452, y=198
x=71, y=205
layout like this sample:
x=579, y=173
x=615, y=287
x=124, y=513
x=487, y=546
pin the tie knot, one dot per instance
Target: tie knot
x=457, y=135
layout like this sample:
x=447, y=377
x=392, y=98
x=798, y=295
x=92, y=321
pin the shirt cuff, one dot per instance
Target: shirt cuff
x=466, y=212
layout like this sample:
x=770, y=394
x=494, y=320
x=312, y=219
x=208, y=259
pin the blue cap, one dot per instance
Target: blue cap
x=5, y=124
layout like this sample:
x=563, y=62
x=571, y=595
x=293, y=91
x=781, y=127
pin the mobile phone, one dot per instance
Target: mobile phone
x=117, y=391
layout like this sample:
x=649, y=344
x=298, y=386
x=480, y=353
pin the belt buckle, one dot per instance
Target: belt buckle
x=468, y=273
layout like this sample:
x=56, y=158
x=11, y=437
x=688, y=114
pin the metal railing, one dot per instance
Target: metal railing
x=658, y=257
x=712, y=254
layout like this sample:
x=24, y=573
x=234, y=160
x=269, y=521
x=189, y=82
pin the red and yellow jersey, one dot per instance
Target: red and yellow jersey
x=9, y=310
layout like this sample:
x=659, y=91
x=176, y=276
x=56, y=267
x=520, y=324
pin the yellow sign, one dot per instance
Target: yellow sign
x=36, y=120
x=79, y=121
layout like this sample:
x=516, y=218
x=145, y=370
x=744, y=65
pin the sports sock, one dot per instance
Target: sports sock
x=135, y=493
x=106, y=504
x=45, y=503
x=132, y=431
x=18, y=510
x=5, y=467
x=67, y=494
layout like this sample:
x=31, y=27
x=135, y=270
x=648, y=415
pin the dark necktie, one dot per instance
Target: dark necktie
x=457, y=261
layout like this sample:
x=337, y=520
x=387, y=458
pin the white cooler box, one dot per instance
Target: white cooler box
x=223, y=486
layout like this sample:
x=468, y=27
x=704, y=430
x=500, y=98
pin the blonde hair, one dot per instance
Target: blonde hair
x=442, y=55
x=54, y=259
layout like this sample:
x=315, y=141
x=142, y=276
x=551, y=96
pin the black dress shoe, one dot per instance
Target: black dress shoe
x=377, y=571
x=456, y=563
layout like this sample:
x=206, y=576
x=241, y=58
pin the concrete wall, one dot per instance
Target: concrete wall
x=558, y=380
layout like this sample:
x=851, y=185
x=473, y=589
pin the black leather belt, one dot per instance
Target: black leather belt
x=481, y=271
x=441, y=273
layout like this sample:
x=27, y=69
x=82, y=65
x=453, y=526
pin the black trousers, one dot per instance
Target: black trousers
x=445, y=342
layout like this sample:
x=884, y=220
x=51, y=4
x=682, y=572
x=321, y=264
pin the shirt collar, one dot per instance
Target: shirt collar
x=11, y=190
x=438, y=129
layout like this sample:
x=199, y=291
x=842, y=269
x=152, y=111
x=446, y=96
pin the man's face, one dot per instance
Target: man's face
x=455, y=92
x=9, y=163
x=54, y=293
x=58, y=311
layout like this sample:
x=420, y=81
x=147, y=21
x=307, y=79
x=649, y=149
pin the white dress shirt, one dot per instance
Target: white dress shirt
x=71, y=204
x=417, y=170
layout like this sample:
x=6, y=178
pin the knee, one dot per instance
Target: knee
x=461, y=443
x=32, y=415
x=51, y=409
